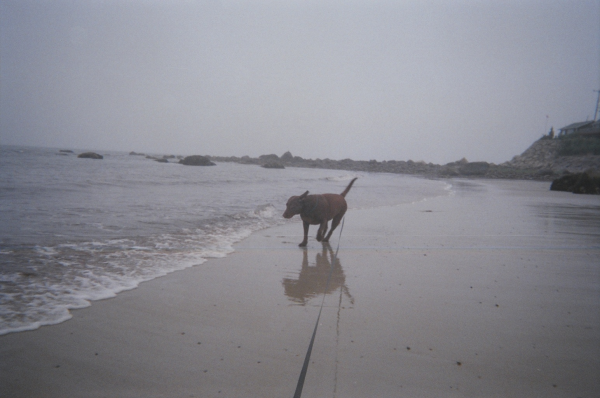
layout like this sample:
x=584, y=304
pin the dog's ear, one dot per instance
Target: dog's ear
x=303, y=195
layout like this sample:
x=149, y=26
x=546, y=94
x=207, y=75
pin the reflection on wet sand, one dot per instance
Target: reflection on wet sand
x=582, y=220
x=312, y=278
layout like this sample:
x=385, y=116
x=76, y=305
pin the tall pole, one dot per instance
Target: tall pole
x=597, y=105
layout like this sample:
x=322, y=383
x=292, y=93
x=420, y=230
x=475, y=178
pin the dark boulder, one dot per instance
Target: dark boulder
x=65, y=151
x=588, y=183
x=163, y=160
x=136, y=154
x=564, y=183
x=273, y=165
x=90, y=155
x=584, y=183
x=287, y=157
x=196, y=160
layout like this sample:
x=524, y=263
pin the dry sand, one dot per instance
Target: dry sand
x=491, y=292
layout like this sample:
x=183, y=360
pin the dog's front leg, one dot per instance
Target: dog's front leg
x=305, y=241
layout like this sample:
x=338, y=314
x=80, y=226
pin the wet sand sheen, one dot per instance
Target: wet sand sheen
x=492, y=292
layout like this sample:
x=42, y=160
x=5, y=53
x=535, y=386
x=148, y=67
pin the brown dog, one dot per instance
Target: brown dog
x=318, y=210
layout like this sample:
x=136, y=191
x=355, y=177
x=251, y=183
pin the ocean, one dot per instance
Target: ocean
x=77, y=230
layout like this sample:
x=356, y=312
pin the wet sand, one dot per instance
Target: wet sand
x=491, y=292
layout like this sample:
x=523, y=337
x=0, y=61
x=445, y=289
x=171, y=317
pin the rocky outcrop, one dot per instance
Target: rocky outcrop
x=545, y=155
x=269, y=158
x=474, y=169
x=583, y=183
x=196, y=160
x=541, y=161
x=541, y=154
x=287, y=157
x=273, y=162
x=90, y=155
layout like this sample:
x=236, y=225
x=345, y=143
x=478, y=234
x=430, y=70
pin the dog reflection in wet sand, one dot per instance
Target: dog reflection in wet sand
x=318, y=210
x=311, y=281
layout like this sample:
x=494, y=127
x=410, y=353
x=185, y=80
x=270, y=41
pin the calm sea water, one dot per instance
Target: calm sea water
x=76, y=230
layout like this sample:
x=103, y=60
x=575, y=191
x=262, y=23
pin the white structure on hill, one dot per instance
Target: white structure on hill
x=589, y=128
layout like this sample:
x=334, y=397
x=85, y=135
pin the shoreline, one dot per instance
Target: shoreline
x=542, y=161
x=491, y=291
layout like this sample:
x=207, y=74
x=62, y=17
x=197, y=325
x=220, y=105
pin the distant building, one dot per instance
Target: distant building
x=589, y=128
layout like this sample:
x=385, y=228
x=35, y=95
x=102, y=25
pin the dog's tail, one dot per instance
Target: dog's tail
x=348, y=187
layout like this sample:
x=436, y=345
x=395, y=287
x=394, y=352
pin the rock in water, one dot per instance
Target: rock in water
x=90, y=155
x=196, y=160
x=273, y=165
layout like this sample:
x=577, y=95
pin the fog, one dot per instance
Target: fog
x=385, y=80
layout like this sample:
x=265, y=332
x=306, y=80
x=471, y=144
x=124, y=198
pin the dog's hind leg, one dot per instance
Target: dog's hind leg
x=334, y=223
x=322, y=231
x=305, y=241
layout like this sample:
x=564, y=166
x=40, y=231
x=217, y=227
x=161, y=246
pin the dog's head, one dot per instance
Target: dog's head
x=294, y=205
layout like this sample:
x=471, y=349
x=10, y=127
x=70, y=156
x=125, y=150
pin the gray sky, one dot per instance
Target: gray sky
x=386, y=80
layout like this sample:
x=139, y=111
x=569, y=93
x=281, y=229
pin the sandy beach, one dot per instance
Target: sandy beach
x=493, y=291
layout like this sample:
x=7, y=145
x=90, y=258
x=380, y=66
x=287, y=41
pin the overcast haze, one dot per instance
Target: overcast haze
x=386, y=80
